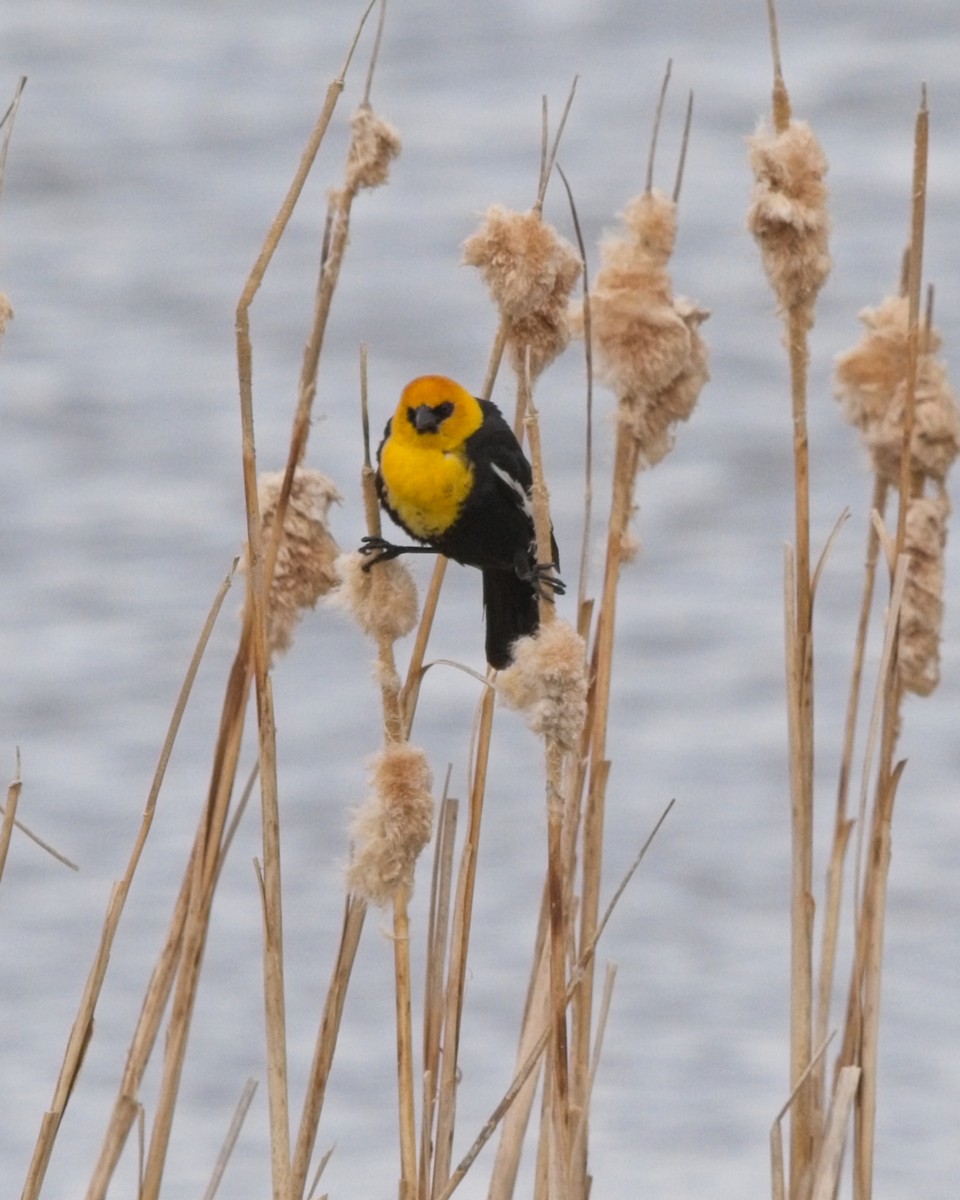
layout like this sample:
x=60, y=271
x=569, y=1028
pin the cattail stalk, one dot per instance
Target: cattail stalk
x=788, y=218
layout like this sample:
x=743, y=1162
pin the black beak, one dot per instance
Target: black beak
x=426, y=419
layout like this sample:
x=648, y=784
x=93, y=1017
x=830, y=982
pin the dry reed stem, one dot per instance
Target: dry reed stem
x=259, y=573
x=10, y=813
x=459, y=947
x=236, y=1124
x=579, y=1147
x=397, y=883
x=789, y=220
x=408, y=1128
x=559, y=1107
x=506, y=1164
x=438, y=928
x=325, y=1045
x=918, y=209
x=870, y=928
x=82, y=1027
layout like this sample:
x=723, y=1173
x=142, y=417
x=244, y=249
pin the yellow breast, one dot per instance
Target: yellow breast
x=425, y=486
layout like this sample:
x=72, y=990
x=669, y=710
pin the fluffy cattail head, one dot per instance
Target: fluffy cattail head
x=393, y=825
x=921, y=613
x=788, y=214
x=383, y=600
x=647, y=342
x=530, y=271
x=871, y=384
x=373, y=146
x=304, y=567
x=547, y=682
x=640, y=340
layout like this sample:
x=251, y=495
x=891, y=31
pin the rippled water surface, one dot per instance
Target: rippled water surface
x=151, y=151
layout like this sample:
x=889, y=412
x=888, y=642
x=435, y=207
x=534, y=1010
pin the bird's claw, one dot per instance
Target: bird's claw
x=549, y=585
x=381, y=548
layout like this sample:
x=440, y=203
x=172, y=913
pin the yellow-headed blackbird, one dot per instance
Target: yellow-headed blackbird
x=453, y=475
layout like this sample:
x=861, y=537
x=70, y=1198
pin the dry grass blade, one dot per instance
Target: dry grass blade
x=826, y=1182
x=243, y=1105
x=6, y=124
x=83, y=1023
x=776, y=1136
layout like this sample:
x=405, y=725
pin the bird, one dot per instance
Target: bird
x=451, y=474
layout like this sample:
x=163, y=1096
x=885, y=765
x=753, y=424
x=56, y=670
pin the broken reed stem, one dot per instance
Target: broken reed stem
x=10, y=814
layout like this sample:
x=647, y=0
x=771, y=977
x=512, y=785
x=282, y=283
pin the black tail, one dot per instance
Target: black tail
x=511, y=610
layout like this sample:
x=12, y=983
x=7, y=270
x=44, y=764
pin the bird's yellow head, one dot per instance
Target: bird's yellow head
x=436, y=412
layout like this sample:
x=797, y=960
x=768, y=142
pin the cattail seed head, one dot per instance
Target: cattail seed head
x=383, y=600
x=529, y=271
x=921, y=612
x=788, y=214
x=304, y=567
x=647, y=342
x=547, y=682
x=871, y=384
x=373, y=145
x=393, y=825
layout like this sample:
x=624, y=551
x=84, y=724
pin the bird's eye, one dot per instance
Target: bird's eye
x=444, y=410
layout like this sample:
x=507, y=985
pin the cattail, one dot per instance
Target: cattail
x=788, y=215
x=393, y=825
x=373, y=145
x=547, y=682
x=304, y=568
x=647, y=342
x=921, y=612
x=6, y=313
x=383, y=601
x=530, y=272
x=871, y=384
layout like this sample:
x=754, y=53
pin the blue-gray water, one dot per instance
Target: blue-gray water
x=151, y=151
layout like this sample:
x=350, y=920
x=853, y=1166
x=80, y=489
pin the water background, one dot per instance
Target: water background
x=151, y=152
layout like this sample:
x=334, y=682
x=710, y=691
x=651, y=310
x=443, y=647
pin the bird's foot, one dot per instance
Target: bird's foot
x=546, y=581
x=378, y=550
